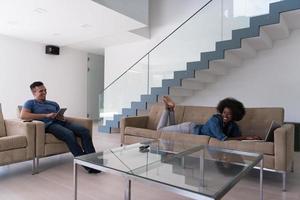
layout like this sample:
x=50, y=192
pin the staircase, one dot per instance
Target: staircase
x=228, y=55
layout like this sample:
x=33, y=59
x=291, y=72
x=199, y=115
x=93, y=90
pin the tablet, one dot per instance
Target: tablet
x=61, y=111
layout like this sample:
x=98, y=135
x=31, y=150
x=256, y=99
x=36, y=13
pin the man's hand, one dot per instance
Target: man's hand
x=51, y=115
x=60, y=117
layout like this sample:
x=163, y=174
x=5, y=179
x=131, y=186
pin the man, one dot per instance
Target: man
x=46, y=111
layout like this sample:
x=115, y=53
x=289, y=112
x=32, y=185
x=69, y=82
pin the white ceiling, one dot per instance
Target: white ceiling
x=80, y=24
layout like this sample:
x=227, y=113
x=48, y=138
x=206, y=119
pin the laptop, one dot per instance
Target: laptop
x=270, y=134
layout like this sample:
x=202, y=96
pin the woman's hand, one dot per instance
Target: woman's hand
x=252, y=137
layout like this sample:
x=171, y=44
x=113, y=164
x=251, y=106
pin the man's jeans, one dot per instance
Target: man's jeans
x=67, y=132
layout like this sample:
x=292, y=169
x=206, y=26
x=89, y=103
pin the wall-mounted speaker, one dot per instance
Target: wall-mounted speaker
x=50, y=49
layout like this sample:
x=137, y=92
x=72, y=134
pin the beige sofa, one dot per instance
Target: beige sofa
x=278, y=155
x=17, y=141
x=47, y=144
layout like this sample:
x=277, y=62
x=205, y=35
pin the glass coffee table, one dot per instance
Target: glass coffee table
x=192, y=170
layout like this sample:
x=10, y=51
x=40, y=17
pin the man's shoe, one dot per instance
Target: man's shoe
x=93, y=171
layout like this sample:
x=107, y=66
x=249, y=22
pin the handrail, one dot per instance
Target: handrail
x=156, y=46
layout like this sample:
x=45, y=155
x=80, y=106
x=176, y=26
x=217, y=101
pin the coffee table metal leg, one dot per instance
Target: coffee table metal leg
x=75, y=180
x=202, y=168
x=261, y=179
x=127, y=188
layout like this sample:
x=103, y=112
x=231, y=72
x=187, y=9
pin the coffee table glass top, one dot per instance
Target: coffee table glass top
x=200, y=169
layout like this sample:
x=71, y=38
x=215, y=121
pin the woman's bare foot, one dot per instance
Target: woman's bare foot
x=169, y=103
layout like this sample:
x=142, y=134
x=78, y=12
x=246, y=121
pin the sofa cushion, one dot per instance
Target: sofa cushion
x=249, y=146
x=12, y=142
x=50, y=138
x=142, y=132
x=2, y=125
x=184, y=137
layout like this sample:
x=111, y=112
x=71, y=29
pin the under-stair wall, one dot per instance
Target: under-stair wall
x=271, y=79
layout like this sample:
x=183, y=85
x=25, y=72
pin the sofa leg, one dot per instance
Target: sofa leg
x=292, y=166
x=284, y=181
x=37, y=165
x=33, y=171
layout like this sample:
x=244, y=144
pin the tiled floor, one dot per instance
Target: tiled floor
x=55, y=181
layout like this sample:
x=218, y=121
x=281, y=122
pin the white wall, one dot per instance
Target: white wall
x=23, y=62
x=270, y=79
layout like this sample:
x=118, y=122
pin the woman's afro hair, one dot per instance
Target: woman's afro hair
x=236, y=107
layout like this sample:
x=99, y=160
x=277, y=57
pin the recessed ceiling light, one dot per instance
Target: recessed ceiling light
x=85, y=26
x=40, y=10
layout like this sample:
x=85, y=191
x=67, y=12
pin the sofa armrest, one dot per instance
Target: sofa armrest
x=284, y=147
x=40, y=137
x=17, y=127
x=85, y=122
x=137, y=121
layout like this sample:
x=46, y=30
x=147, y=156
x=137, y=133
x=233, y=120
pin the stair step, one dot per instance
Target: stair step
x=277, y=31
x=213, y=55
x=143, y=112
x=230, y=60
x=245, y=52
x=184, y=74
x=205, y=76
x=181, y=92
x=192, y=84
x=138, y=105
x=160, y=90
x=171, y=82
x=104, y=129
x=148, y=98
x=263, y=41
x=118, y=117
x=129, y=111
x=291, y=19
x=217, y=68
x=112, y=123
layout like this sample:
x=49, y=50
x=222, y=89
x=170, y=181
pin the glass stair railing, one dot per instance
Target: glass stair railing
x=178, y=57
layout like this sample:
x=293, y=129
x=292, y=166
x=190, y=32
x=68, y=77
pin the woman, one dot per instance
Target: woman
x=221, y=126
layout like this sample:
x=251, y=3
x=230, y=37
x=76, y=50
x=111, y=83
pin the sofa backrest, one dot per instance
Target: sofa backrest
x=199, y=114
x=258, y=120
x=2, y=124
x=255, y=122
